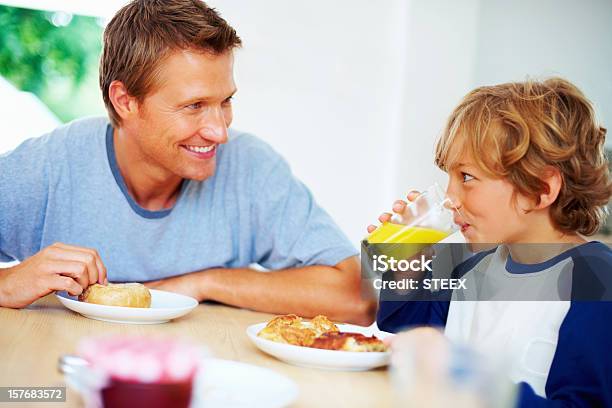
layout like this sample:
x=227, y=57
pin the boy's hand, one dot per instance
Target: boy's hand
x=399, y=207
x=425, y=348
x=56, y=267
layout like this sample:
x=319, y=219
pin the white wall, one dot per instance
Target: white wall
x=541, y=38
x=454, y=47
x=321, y=81
x=354, y=93
x=439, y=68
x=22, y=116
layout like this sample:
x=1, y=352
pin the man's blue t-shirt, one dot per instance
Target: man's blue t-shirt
x=66, y=187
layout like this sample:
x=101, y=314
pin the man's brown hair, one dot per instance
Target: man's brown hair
x=516, y=130
x=144, y=32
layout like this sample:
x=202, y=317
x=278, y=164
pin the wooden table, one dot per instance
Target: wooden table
x=32, y=339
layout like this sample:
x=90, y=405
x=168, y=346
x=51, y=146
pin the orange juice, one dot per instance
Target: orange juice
x=391, y=233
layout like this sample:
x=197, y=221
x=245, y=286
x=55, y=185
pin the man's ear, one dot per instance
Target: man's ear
x=551, y=176
x=125, y=105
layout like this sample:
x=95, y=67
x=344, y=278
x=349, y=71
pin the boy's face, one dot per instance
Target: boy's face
x=181, y=123
x=487, y=210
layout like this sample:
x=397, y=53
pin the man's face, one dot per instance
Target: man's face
x=182, y=121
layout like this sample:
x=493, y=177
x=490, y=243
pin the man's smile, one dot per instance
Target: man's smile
x=201, y=152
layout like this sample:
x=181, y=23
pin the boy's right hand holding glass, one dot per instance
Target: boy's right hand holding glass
x=399, y=208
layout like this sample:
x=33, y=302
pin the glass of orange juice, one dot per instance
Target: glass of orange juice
x=426, y=220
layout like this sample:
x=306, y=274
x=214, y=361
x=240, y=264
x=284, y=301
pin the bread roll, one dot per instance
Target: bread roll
x=117, y=294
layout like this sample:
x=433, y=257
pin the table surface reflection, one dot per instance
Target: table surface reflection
x=32, y=339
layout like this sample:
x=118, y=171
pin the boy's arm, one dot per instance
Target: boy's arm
x=581, y=371
x=395, y=316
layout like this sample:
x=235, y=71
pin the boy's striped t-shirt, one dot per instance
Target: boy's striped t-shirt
x=558, y=349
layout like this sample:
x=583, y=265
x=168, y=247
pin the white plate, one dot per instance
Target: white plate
x=326, y=359
x=165, y=306
x=225, y=383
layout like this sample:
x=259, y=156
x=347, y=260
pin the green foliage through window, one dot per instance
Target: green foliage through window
x=53, y=55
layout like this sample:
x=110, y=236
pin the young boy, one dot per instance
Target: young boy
x=526, y=166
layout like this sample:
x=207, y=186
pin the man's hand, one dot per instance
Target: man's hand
x=189, y=284
x=56, y=267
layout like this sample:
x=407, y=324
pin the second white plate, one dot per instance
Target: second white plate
x=231, y=384
x=165, y=306
x=326, y=359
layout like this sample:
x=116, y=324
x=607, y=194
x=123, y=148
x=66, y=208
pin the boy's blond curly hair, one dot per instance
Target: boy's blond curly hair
x=517, y=130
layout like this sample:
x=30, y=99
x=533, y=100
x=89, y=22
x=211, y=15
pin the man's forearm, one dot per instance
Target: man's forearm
x=308, y=291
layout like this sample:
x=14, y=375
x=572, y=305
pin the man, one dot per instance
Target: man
x=165, y=193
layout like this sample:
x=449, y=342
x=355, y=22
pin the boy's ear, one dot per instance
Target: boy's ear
x=551, y=176
x=125, y=105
